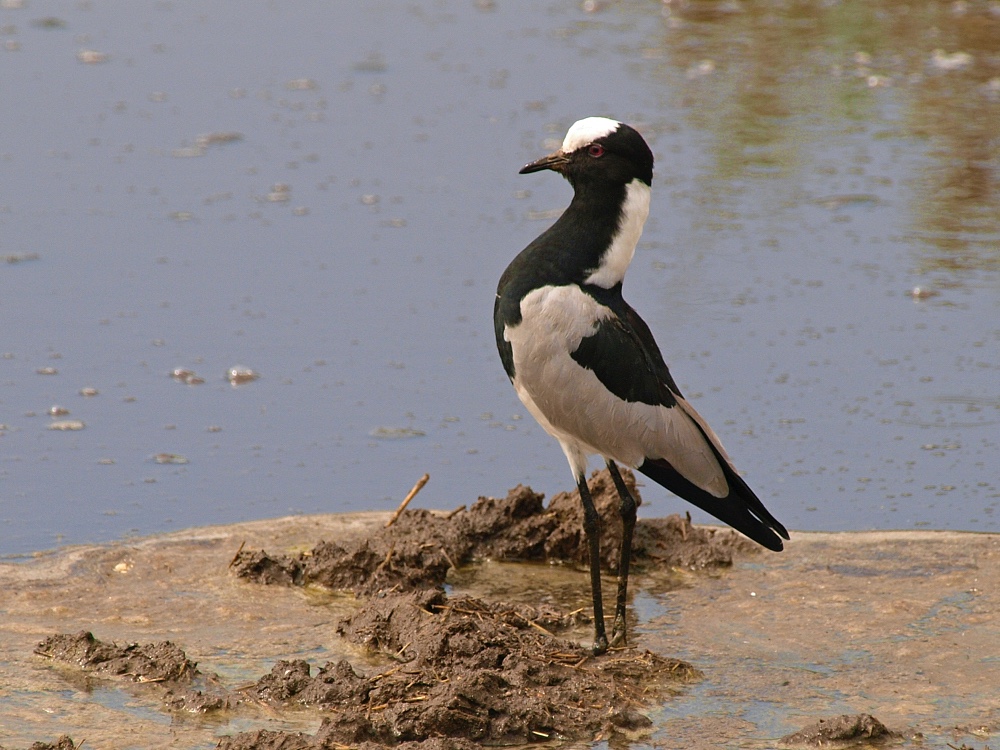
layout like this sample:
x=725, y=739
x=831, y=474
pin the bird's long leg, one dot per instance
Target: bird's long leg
x=626, y=509
x=592, y=526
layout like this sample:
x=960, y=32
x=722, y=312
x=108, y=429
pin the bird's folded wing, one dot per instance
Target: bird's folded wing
x=626, y=360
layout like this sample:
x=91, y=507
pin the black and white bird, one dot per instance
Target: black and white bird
x=586, y=366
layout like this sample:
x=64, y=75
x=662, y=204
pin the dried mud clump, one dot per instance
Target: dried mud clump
x=163, y=663
x=417, y=551
x=842, y=732
x=458, y=672
x=65, y=742
x=263, y=739
x=671, y=541
x=259, y=567
x=465, y=672
x=154, y=662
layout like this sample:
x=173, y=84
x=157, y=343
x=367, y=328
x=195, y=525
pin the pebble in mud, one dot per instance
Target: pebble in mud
x=239, y=375
x=189, y=377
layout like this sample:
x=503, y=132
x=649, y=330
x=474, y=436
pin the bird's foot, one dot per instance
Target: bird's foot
x=600, y=645
x=618, y=637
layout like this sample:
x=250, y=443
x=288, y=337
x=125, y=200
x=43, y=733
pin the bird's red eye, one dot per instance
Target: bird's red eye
x=596, y=150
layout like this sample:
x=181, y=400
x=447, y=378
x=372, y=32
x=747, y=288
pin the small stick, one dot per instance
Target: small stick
x=406, y=500
x=388, y=558
x=536, y=626
x=383, y=674
x=446, y=557
x=233, y=561
x=452, y=513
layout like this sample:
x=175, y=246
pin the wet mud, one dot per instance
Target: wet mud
x=468, y=670
x=372, y=647
x=418, y=550
x=842, y=732
x=65, y=742
x=157, y=662
x=463, y=668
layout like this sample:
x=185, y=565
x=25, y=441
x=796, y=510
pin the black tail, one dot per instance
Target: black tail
x=741, y=508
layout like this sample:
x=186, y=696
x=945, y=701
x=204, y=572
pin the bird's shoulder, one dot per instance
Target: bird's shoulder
x=535, y=267
x=623, y=354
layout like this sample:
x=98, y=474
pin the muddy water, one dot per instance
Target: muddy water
x=897, y=624
x=326, y=194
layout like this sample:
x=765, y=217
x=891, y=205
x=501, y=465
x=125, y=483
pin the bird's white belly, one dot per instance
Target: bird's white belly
x=568, y=400
x=571, y=403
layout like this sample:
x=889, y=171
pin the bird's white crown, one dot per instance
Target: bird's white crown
x=586, y=131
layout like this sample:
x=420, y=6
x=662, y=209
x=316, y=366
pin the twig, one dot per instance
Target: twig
x=446, y=557
x=406, y=500
x=233, y=561
x=538, y=627
x=385, y=562
x=452, y=513
x=385, y=674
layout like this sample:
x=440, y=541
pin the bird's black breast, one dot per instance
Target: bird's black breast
x=565, y=253
x=503, y=316
x=552, y=259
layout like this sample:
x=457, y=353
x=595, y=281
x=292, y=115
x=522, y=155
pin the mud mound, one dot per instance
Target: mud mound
x=468, y=670
x=163, y=663
x=263, y=739
x=457, y=672
x=156, y=662
x=842, y=732
x=63, y=743
x=672, y=541
x=417, y=551
x=461, y=671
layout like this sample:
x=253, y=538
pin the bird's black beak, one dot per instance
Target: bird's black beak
x=555, y=161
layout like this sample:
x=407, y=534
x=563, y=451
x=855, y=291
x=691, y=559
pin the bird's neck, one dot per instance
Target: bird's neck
x=623, y=210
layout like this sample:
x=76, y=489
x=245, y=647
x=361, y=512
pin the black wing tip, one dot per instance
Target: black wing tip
x=766, y=535
x=775, y=531
x=773, y=542
x=741, y=508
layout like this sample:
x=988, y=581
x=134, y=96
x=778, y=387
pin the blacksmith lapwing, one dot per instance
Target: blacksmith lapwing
x=586, y=366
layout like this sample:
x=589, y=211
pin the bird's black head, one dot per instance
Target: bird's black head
x=597, y=149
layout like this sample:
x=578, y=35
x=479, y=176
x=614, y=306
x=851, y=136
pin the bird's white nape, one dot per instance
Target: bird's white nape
x=586, y=131
x=618, y=256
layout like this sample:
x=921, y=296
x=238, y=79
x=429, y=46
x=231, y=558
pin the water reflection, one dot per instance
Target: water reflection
x=765, y=79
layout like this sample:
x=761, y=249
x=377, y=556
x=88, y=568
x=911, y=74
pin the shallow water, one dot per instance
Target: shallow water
x=816, y=164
